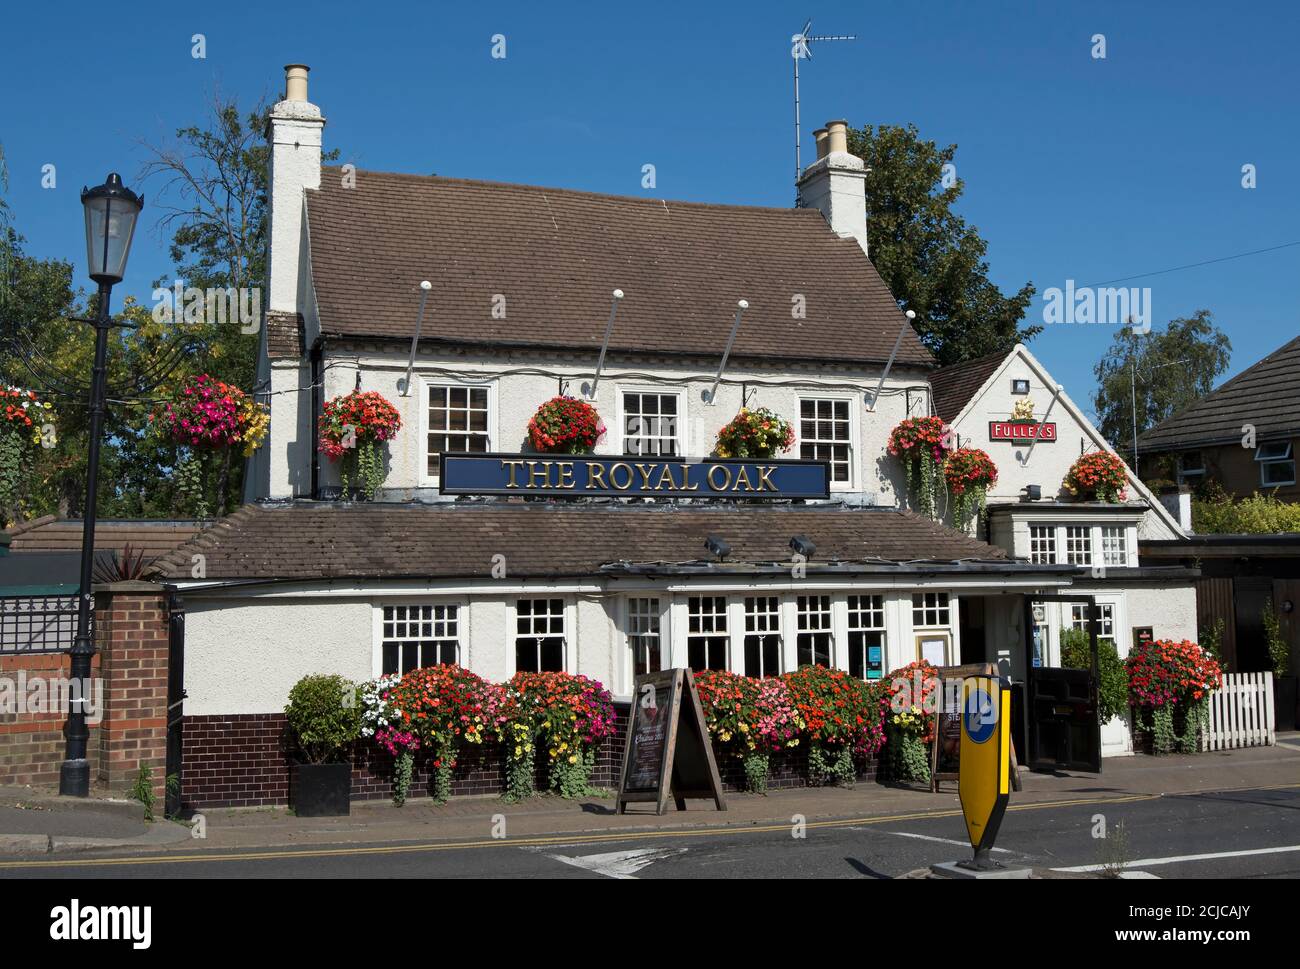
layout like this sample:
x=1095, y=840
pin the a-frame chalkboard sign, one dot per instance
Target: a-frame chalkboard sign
x=668, y=752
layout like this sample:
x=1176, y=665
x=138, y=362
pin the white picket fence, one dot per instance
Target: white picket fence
x=1241, y=713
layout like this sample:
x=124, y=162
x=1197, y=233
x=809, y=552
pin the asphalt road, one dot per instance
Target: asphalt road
x=1237, y=834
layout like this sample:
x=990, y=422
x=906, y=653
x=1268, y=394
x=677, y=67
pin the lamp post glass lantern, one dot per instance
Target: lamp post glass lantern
x=111, y=212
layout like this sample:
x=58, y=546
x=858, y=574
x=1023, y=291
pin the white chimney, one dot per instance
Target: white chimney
x=294, y=133
x=836, y=184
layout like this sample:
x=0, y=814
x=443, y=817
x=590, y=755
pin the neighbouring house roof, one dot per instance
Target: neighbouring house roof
x=954, y=387
x=323, y=540
x=53, y=534
x=1266, y=395
x=556, y=255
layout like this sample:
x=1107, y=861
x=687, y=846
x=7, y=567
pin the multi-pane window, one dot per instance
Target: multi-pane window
x=824, y=435
x=762, y=635
x=643, y=634
x=458, y=422
x=415, y=636
x=930, y=609
x=1042, y=544
x=706, y=632
x=651, y=424
x=814, y=634
x=867, y=637
x=1078, y=544
x=1105, y=623
x=1191, y=467
x=1276, y=464
x=1114, y=545
x=539, y=635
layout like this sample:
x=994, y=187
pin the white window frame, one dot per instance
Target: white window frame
x=855, y=436
x=569, y=633
x=877, y=610
x=730, y=609
x=625, y=626
x=1087, y=531
x=1052, y=552
x=776, y=617
x=1107, y=554
x=1186, y=474
x=938, y=608
x=424, y=476
x=377, y=627
x=828, y=627
x=683, y=425
x=1076, y=622
x=1267, y=460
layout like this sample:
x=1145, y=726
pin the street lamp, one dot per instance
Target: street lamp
x=111, y=213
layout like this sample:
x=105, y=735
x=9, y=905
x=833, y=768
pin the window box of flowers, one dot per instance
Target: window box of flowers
x=210, y=420
x=1099, y=476
x=749, y=719
x=21, y=423
x=568, y=716
x=969, y=473
x=324, y=718
x=757, y=433
x=842, y=716
x=565, y=425
x=353, y=428
x=1169, y=685
x=922, y=443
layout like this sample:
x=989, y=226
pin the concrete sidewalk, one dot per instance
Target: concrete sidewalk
x=119, y=824
x=479, y=818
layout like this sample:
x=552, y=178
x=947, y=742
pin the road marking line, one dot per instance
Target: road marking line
x=570, y=838
x=947, y=841
x=1176, y=859
x=620, y=864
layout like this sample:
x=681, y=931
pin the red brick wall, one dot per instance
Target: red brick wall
x=131, y=662
x=243, y=761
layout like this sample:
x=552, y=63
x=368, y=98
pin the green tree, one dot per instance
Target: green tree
x=1174, y=367
x=932, y=261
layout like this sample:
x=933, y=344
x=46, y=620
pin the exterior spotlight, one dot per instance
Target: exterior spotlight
x=717, y=546
x=803, y=545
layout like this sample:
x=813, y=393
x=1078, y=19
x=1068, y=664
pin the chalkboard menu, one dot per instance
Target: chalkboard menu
x=667, y=752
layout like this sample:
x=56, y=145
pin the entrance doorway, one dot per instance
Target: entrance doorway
x=1061, y=723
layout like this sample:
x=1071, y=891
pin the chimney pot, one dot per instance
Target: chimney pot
x=820, y=136
x=837, y=136
x=295, y=82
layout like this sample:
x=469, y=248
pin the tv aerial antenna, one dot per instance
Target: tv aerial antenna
x=799, y=50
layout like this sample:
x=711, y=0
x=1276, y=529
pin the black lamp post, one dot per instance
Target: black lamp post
x=111, y=213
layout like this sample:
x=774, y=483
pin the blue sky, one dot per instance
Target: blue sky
x=1075, y=167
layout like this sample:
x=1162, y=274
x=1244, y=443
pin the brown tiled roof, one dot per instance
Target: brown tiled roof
x=315, y=540
x=953, y=387
x=556, y=255
x=52, y=534
x=1266, y=395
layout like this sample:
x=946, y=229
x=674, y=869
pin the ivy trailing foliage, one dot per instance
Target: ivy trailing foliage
x=969, y=473
x=922, y=443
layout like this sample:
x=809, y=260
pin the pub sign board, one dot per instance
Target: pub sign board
x=668, y=752
x=1019, y=431
x=629, y=476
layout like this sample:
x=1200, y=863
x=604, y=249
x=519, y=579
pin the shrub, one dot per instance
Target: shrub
x=758, y=433
x=324, y=717
x=1169, y=686
x=565, y=425
x=1279, y=651
x=1254, y=515
x=1112, y=686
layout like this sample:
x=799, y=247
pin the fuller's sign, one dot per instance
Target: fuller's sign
x=558, y=475
x=1019, y=431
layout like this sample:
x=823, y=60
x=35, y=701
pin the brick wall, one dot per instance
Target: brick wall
x=243, y=761
x=131, y=667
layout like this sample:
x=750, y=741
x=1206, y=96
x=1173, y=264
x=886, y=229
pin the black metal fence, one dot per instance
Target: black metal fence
x=38, y=624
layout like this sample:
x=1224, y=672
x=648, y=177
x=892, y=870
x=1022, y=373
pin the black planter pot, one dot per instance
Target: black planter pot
x=321, y=790
x=1284, y=702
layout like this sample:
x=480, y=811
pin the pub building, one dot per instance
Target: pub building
x=648, y=554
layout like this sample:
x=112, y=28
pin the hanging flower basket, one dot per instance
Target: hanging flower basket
x=353, y=428
x=1098, y=475
x=565, y=425
x=969, y=473
x=758, y=433
x=920, y=443
x=23, y=416
x=210, y=414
